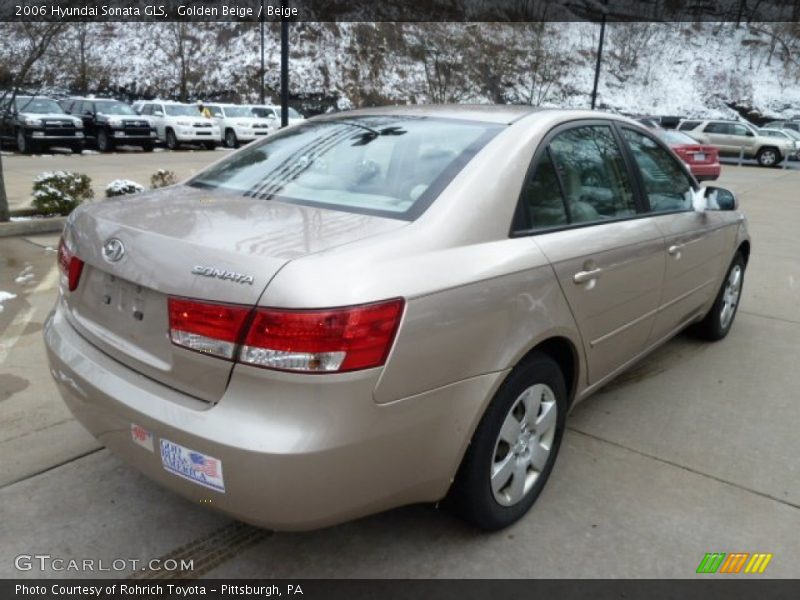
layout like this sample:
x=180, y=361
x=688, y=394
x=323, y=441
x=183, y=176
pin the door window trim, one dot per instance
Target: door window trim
x=520, y=224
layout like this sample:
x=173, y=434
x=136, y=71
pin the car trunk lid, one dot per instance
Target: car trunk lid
x=187, y=242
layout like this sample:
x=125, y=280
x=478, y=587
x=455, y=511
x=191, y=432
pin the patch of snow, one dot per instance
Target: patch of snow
x=89, y=152
x=5, y=296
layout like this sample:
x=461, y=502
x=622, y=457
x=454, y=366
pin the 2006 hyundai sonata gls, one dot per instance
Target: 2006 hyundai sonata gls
x=385, y=306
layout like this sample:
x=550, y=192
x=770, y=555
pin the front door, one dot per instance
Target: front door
x=694, y=242
x=607, y=257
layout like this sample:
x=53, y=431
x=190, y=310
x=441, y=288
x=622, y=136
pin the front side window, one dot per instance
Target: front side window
x=720, y=128
x=688, y=125
x=385, y=165
x=593, y=174
x=740, y=130
x=666, y=184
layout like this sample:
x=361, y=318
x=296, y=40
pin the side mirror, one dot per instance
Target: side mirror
x=271, y=116
x=750, y=133
x=718, y=198
x=158, y=113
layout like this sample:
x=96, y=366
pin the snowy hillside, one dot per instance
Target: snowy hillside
x=665, y=69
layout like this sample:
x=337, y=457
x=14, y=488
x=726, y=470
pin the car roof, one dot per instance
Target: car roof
x=490, y=113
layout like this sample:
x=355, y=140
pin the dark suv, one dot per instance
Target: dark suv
x=36, y=122
x=109, y=123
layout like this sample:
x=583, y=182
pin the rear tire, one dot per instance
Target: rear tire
x=717, y=323
x=514, y=447
x=768, y=157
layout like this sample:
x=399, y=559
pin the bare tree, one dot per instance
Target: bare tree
x=32, y=40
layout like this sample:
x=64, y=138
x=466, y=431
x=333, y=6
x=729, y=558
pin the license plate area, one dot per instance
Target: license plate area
x=699, y=157
x=127, y=299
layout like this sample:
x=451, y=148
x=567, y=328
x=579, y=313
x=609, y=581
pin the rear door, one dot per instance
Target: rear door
x=718, y=135
x=608, y=259
x=695, y=242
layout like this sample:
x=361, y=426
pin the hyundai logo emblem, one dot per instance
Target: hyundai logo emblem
x=113, y=250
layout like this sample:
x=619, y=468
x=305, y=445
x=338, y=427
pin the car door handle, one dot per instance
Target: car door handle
x=675, y=249
x=584, y=276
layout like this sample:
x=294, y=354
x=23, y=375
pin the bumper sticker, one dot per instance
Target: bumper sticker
x=196, y=467
x=141, y=436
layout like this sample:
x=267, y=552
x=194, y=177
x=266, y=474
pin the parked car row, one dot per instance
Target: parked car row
x=769, y=146
x=36, y=123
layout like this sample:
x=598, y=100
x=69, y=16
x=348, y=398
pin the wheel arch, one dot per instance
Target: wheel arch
x=565, y=353
x=744, y=250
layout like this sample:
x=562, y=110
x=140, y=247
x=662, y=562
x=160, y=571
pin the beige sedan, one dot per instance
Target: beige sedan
x=385, y=306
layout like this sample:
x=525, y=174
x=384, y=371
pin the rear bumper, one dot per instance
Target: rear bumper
x=298, y=452
x=706, y=172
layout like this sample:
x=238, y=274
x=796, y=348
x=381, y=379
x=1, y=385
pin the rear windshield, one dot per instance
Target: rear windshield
x=387, y=166
x=676, y=137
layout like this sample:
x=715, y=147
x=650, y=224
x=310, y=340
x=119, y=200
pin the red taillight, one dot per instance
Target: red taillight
x=339, y=339
x=205, y=327
x=71, y=265
x=309, y=341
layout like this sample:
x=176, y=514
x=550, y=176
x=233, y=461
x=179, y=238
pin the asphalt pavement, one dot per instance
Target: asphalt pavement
x=693, y=451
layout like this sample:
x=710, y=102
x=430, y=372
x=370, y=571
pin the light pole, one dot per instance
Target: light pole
x=284, y=72
x=599, y=58
x=261, y=94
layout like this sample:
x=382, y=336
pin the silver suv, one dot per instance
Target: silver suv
x=733, y=138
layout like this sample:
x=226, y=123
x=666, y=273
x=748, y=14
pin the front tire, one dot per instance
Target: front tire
x=717, y=323
x=104, y=143
x=172, y=140
x=210, y=145
x=23, y=145
x=514, y=447
x=231, y=141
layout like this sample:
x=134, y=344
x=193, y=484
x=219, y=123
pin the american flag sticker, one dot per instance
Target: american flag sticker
x=195, y=466
x=141, y=436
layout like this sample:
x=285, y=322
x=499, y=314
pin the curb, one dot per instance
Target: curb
x=34, y=226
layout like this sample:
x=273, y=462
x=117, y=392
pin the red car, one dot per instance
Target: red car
x=703, y=160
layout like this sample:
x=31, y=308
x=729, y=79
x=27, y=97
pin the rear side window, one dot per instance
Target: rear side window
x=383, y=165
x=542, y=199
x=592, y=174
x=667, y=186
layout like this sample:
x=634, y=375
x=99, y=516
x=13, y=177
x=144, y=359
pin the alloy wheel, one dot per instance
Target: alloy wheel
x=524, y=444
x=730, y=297
x=768, y=158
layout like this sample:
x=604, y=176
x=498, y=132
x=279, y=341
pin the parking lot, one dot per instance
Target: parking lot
x=693, y=451
x=20, y=170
